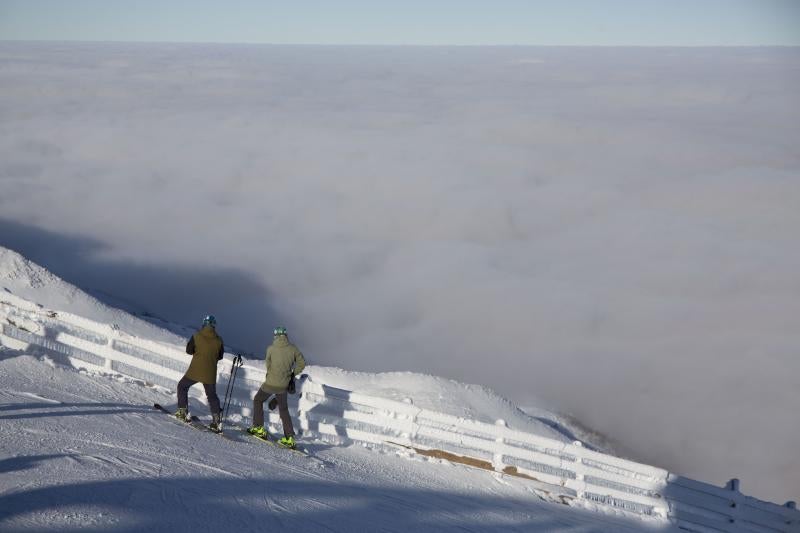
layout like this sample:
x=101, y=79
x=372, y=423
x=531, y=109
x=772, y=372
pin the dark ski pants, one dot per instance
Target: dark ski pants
x=283, y=409
x=211, y=394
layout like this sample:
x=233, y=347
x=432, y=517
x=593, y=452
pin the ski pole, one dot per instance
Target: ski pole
x=235, y=364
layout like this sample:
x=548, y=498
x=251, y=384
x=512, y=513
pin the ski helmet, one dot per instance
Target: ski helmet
x=280, y=330
x=209, y=320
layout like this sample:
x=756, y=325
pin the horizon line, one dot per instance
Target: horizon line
x=399, y=45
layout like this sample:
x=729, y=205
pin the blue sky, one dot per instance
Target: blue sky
x=450, y=22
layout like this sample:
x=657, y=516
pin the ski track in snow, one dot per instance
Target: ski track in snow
x=34, y=396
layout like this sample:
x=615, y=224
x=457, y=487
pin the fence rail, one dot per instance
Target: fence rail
x=566, y=470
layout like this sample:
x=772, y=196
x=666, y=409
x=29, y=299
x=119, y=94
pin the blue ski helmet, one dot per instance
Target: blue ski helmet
x=209, y=320
x=280, y=330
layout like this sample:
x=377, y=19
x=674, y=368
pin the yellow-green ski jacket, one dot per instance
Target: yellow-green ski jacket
x=283, y=360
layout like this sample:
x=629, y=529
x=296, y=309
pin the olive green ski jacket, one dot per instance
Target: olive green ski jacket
x=206, y=348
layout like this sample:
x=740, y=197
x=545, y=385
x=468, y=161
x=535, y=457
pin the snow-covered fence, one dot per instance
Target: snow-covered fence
x=103, y=347
x=567, y=471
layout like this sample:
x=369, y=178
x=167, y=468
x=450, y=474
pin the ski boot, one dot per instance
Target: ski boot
x=182, y=414
x=288, y=442
x=216, y=423
x=258, y=431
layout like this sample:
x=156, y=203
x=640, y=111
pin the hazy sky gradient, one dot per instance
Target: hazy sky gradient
x=453, y=22
x=612, y=232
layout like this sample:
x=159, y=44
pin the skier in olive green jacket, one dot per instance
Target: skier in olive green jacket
x=206, y=349
x=284, y=361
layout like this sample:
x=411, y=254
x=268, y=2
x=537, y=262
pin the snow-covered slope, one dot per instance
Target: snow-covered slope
x=84, y=450
x=28, y=280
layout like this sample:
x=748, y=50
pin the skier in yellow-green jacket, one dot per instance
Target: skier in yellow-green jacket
x=284, y=361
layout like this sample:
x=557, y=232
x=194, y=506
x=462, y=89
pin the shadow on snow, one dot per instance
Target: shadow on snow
x=261, y=503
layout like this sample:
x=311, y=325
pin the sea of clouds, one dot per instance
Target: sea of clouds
x=612, y=233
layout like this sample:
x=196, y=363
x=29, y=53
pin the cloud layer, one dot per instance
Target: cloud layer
x=610, y=232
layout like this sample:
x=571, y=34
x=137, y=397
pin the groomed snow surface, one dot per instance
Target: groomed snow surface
x=81, y=451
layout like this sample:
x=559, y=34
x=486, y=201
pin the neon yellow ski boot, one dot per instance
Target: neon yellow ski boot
x=258, y=431
x=287, y=442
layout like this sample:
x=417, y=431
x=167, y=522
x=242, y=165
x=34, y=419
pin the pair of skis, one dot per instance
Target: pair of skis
x=192, y=422
x=195, y=423
x=269, y=439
